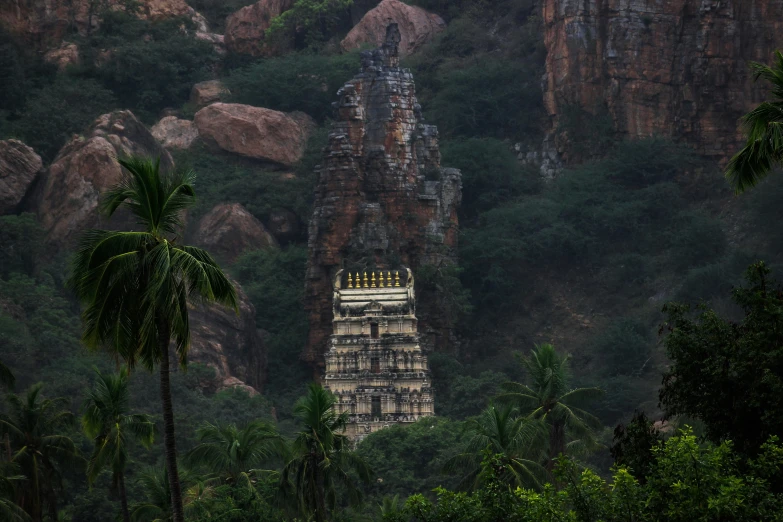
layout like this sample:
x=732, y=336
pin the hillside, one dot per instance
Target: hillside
x=562, y=182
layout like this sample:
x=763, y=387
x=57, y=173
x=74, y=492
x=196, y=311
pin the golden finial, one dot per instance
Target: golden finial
x=350, y=280
x=396, y=278
x=365, y=280
x=389, y=279
x=373, y=280
x=380, y=279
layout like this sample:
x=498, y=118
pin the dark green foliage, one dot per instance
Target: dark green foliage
x=491, y=175
x=729, y=374
x=633, y=446
x=148, y=65
x=295, y=82
x=625, y=346
x=311, y=22
x=57, y=110
x=21, y=71
x=590, y=134
x=408, y=459
x=459, y=394
x=21, y=239
x=221, y=177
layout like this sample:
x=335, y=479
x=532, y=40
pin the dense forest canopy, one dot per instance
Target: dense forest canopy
x=616, y=351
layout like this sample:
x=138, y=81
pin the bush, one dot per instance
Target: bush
x=56, y=111
x=625, y=344
x=295, y=82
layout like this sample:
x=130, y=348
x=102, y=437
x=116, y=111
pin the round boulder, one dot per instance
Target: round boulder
x=19, y=165
x=229, y=229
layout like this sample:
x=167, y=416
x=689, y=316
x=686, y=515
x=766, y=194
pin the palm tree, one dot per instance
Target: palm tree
x=108, y=422
x=136, y=285
x=233, y=455
x=322, y=456
x=9, y=477
x=764, y=125
x=154, y=483
x=38, y=449
x=549, y=398
x=520, y=441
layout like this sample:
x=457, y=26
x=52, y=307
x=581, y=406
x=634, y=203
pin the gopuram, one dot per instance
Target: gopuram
x=374, y=364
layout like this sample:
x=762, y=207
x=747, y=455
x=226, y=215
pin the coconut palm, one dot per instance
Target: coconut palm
x=763, y=149
x=549, y=398
x=136, y=285
x=38, y=450
x=9, y=478
x=108, y=422
x=234, y=455
x=7, y=378
x=321, y=456
x=521, y=442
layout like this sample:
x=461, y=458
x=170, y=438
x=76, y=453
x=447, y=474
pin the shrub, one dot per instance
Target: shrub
x=625, y=344
x=295, y=82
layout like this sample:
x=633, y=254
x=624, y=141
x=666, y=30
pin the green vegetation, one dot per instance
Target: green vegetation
x=137, y=285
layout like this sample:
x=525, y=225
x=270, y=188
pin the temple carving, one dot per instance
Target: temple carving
x=374, y=364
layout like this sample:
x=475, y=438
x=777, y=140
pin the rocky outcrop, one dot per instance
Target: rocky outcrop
x=174, y=133
x=46, y=22
x=284, y=225
x=19, y=165
x=230, y=343
x=416, y=26
x=253, y=132
x=64, y=56
x=382, y=199
x=204, y=93
x=246, y=29
x=674, y=68
x=229, y=229
x=84, y=168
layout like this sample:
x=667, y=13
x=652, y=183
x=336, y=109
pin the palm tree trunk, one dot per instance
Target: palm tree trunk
x=169, y=444
x=36, y=511
x=556, y=443
x=320, y=506
x=123, y=497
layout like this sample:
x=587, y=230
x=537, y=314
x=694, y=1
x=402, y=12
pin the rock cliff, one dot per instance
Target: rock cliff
x=382, y=198
x=229, y=230
x=676, y=68
x=19, y=166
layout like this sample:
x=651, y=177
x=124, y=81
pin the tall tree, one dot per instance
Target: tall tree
x=6, y=376
x=108, y=421
x=763, y=149
x=321, y=456
x=550, y=398
x=234, y=455
x=136, y=285
x=729, y=374
x=9, y=477
x=38, y=449
x=519, y=441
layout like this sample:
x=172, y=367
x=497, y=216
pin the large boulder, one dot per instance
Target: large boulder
x=64, y=56
x=84, y=168
x=174, y=133
x=284, y=225
x=254, y=132
x=229, y=343
x=246, y=28
x=19, y=165
x=229, y=229
x=416, y=26
x=204, y=93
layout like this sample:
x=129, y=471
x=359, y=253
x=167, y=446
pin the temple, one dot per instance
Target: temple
x=374, y=364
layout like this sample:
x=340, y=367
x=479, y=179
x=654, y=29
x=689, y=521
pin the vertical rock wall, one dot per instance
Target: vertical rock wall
x=382, y=199
x=676, y=68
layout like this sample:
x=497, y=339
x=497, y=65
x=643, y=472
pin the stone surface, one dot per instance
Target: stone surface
x=284, y=225
x=174, y=133
x=254, y=132
x=204, y=93
x=229, y=343
x=382, y=197
x=229, y=229
x=64, y=56
x=673, y=68
x=46, y=22
x=246, y=28
x=19, y=165
x=84, y=168
x=416, y=26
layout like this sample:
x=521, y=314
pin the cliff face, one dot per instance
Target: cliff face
x=676, y=68
x=382, y=199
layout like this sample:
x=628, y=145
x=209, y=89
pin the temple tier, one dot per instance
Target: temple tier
x=375, y=365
